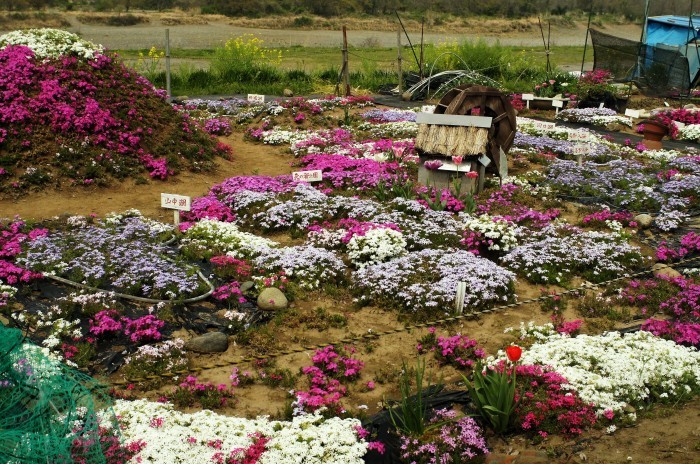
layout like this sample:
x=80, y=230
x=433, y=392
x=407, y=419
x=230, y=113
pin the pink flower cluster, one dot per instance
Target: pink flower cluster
x=249, y=455
x=229, y=292
x=217, y=126
x=326, y=390
x=690, y=244
x=457, y=350
x=207, y=207
x=546, y=407
x=110, y=322
x=12, y=236
x=599, y=217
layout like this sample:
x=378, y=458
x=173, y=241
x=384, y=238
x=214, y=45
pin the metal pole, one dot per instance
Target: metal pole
x=346, y=71
x=399, y=60
x=167, y=63
x=588, y=28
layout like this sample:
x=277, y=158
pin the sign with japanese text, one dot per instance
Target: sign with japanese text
x=172, y=201
x=255, y=98
x=581, y=149
x=308, y=176
x=528, y=96
x=541, y=125
x=632, y=113
x=557, y=103
x=579, y=136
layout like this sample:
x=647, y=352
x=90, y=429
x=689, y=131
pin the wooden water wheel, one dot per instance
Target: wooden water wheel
x=478, y=100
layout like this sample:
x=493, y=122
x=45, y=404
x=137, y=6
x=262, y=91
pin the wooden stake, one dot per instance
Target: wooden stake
x=346, y=70
x=399, y=60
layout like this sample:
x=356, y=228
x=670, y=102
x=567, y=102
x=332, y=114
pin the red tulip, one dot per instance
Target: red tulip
x=472, y=174
x=457, y=159
x=514, y=352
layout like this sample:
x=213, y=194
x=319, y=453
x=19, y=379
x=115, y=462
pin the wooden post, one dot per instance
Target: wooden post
x=420, y=65
x=481, y=178
x=399, y=61
x=346, y=70
x=167, y=63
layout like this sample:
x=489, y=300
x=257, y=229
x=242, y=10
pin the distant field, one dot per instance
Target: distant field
x=310, y=59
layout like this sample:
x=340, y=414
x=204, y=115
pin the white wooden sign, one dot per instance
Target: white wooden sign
x=255, y=98
x=557, y=103
x=541, y=125
x=459, y=297
x=178, y=202
x=528, y=96
x=427, y=109
x=632, y=113
x=601, y=106
x=579, y=136
x=308, y=176
x=581, y=149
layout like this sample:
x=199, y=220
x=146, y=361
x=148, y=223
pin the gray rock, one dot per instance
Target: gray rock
x=644, y=220
x=287, y=93
x=272, y=299
x=660, y=269
x=247, y=285
x=211, y=342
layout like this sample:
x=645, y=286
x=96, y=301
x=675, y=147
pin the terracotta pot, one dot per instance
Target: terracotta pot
x=653, y=133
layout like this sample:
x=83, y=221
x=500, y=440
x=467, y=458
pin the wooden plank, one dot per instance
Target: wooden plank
x=453, y=120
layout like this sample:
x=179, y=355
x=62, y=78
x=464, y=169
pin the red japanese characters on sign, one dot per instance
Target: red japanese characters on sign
x=171, y=201
x=307, y=176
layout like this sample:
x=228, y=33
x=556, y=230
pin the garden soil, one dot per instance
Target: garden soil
x=667, y=434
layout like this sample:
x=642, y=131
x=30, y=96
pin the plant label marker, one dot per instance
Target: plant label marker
x=459, y=297
x=427, y=109
x=256, y=99
x=579, y=136
x=541, y=125
x=557, y=104
x=527, y=98
x=601, y=106
x=308, y=176
x=177, y=203
x=632, y=113
x=579, y=151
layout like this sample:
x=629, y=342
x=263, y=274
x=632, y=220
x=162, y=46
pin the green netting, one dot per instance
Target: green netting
x=50, y=413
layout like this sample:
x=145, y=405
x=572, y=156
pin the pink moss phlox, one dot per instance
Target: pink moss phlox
x=208, y=207
x=599, y=217
x=547, y=406
x=689, y=245
x=106, y=322
x=143, y=329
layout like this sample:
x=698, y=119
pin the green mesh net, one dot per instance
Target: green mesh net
x=49, y=412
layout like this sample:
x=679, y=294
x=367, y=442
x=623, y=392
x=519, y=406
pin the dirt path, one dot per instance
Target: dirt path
x=248, y=159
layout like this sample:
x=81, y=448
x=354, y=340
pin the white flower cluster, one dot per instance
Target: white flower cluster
x=659, y=155
x=376, y=246
x=52, y=43
x=6, y=292
x=689, y=132
x=612, y=370
x=182, y=438
x=169, y=356
x=398, y=129
x=500, y=234
x=210, y=237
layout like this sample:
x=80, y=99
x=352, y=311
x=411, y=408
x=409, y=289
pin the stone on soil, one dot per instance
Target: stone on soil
x=211, y=342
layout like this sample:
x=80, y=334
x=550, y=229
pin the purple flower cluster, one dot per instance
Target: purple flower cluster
x=309, y=267
x=458, y=440
x=555, y=255
x=127, y=258
x=382, y=116
x=424, y=283
x=218, y=126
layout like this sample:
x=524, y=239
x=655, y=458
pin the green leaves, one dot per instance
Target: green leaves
x=493, y=392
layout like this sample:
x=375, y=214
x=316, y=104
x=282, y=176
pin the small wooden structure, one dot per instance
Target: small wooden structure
x=475, y=122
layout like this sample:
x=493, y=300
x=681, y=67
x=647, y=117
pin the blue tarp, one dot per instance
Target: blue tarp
x=672, y=30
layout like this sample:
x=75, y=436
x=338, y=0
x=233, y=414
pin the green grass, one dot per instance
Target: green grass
x=307, y=70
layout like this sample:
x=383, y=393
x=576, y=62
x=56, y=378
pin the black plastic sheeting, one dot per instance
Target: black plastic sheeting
x=382, y=429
